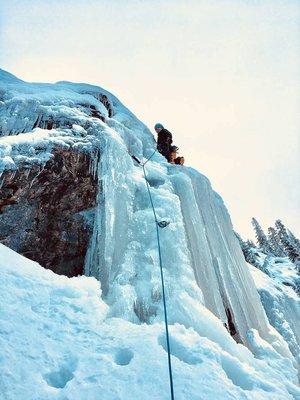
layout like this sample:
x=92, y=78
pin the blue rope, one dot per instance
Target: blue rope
x=162, y=279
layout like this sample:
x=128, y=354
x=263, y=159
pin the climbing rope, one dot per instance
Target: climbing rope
x=160, y=224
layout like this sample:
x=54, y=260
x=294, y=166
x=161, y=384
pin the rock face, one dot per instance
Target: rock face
x=45, y=210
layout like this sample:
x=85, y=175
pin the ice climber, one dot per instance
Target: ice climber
x=164, y=140
x=164, y=145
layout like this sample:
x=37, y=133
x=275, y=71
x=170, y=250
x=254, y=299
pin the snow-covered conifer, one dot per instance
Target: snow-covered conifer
x=294, y=240
x=248, y=249
x=275, y=243
x=289, y=244
x=261, y=237
x=281, y=230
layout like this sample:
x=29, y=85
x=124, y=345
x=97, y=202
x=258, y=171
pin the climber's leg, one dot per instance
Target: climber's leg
x=164, y=150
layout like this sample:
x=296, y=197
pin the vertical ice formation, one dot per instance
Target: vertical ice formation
x=202, y=261
x=123, y=252
x=215, y=255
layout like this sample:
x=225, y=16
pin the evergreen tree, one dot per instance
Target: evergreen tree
x=292, y=251
x=261, y=237
x=248, y=249
x=294, y=240
x=250, y=254
x=287, y=241
x=281, y=230
x=239, y=238
x=275, y=243
x=296, y=243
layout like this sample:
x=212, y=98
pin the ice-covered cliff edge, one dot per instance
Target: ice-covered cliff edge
x=206, y=276
x=49, y=144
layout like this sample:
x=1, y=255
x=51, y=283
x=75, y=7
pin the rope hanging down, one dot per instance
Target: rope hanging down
x=160, y=224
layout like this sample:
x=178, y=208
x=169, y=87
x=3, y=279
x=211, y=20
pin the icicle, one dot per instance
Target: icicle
x=111, y=214
x=27, y=172
x=2, y=179
x=13, y=174
x=40, y=170
x=95, y=164
x=90, y=163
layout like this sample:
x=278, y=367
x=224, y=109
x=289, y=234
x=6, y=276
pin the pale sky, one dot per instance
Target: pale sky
x=222, y=75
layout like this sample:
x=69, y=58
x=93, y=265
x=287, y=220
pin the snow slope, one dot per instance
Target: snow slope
x=277, y=291
x=58, y=342
x=205, y=272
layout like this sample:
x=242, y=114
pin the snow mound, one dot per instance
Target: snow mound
x=58, y=342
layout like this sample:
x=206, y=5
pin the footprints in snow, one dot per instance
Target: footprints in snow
x=61, y=376
x=123, y=356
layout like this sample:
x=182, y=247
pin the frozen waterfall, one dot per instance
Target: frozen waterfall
x=202, y=260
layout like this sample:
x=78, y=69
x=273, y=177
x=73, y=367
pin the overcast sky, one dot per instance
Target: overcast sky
x=222, y=75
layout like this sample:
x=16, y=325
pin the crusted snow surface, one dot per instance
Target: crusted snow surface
x=281, y=302
x=59, y=343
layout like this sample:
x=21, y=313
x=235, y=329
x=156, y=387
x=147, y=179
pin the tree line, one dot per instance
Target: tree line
x=277, y=242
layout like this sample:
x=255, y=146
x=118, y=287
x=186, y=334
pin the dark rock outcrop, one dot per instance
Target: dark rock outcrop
x=46, y=212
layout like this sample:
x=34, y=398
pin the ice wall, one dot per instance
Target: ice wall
x=216, y=257
x=202, y=260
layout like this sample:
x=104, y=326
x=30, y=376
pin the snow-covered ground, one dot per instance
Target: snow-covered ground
x=61, y=340
x=280, y=269
x=276, y=287
x=57, y=342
